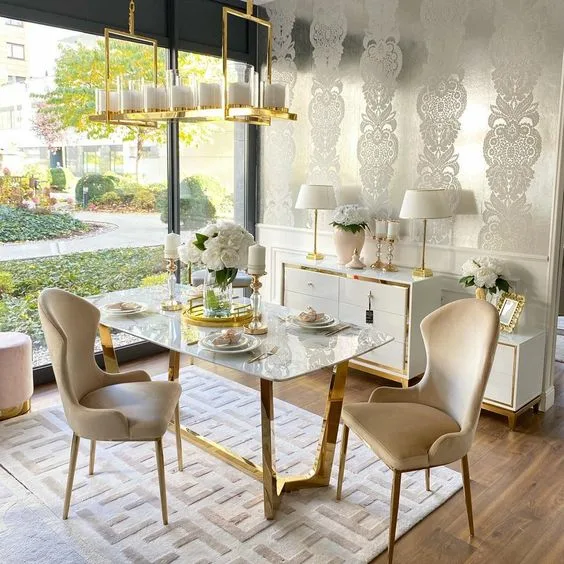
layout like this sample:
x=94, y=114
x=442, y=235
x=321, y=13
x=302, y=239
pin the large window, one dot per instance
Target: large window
x=16, y=51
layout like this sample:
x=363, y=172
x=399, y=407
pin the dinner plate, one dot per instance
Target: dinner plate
x=241, y=344
x=311, y=326
x=252, y=343
x=123, y=308
x=326, y=321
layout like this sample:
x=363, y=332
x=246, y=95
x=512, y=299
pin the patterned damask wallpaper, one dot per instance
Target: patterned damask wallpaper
x=398, y=94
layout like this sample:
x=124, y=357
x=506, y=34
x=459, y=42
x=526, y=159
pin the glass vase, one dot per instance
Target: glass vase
x=217, y=297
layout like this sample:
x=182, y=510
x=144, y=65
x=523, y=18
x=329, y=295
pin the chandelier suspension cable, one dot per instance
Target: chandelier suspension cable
x=132, y=17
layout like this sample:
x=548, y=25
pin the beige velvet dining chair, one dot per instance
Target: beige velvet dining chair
x=100, y=406
x=432, y=423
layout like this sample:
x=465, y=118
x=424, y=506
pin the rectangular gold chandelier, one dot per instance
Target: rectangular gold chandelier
x=240, y=98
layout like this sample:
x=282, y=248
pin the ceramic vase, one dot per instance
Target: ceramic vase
x=345, y=244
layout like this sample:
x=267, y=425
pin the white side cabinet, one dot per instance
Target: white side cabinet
x=515, y=382
x=398, y=301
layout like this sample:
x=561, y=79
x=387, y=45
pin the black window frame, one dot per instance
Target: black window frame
x=53, y=13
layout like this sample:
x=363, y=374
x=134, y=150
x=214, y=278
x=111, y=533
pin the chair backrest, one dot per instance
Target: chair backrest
x=70, y=324
x=460, y=340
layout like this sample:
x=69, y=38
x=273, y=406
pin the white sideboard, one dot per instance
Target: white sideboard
x=399, y=304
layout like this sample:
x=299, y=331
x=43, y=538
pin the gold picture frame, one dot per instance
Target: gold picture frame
x=510, y=306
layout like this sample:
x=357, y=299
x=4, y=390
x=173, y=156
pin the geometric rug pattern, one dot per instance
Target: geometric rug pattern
x=215, y=512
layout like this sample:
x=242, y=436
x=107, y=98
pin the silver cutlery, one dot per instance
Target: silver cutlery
x=263, y=355
x=336, y=330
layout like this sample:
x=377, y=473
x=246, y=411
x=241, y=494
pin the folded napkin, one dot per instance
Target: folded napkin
x=122, y=306
x=228, y=337
x=309, y=315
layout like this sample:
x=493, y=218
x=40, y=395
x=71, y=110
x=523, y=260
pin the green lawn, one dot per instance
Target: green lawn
x=84, y=274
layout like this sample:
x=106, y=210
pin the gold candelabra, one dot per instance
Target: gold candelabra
x=171, y=304
x=378, y=264
x=256, y=326
x=390, y=266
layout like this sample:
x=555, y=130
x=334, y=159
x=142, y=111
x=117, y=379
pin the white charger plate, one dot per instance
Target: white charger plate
x=252, y=344
x=208, y=341
x=322, y=324
x=139, y=307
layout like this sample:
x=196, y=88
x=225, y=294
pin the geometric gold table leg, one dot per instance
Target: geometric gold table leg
x=320, y=475
x=271, y=500
x=173, y=375
x=110, y=360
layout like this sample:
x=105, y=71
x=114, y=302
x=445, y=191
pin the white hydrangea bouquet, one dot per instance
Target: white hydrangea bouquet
x=220, y=247
x=485, y=273
x=350, y=217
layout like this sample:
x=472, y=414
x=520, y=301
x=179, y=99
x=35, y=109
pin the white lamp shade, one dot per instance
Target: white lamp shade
x=316, y=197
x=425, y=204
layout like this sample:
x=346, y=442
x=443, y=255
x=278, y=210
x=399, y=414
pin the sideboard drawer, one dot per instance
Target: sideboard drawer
x=389, y=323
x=311, y=283
x=385, y=297
x=299, y=302
x=390, y=355
x=500, y=383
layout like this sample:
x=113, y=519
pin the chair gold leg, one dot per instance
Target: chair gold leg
x=178, y=438
x=344, y=442
x=467, y=493
x=428, y=479
x=161, y=473
x=70, y=479
x=396, y=486
x=92, y=457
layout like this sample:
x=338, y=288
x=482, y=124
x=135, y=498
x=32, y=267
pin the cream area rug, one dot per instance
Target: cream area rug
x=215, y=512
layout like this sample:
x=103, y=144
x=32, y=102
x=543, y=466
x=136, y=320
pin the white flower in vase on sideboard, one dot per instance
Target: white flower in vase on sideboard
x=486, y=274
x=349, y=224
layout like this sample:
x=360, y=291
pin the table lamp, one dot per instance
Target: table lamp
x=424, y=204
x=315, y=197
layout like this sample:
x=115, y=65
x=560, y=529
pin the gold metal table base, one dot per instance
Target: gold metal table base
x=274, y=485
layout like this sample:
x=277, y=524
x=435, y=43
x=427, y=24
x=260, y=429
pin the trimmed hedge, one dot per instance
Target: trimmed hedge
x=85, y=274
x=98, y=185
x=20, y=224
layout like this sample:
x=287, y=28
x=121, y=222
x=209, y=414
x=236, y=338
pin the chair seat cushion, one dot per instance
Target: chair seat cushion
x=148, y=407
x=399, y=433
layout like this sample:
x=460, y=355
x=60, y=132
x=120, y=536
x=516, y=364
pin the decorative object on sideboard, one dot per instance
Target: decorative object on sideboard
x=424, y=204
x=487, y=274
x=256, y=268
x=379, y=236
x=172, y=242
x=315, y=197
x=510, y=306
x=355, y=262
x=349, y=225
x=392, y=236
x=223, y=249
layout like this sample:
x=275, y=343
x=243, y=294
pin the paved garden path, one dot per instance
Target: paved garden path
x=125, y=230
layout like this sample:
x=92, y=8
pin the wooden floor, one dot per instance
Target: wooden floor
x=517, y=479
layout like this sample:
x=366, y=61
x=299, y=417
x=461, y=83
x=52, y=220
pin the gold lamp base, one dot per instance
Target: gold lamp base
x=422, y=273
x=315, y=256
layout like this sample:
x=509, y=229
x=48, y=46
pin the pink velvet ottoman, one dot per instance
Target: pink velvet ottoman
x=16, y=374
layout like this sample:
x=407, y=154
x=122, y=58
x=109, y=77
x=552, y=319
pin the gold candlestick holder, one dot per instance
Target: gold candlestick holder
x=378, y=264
x=390, y=266
x=171, y=304
x=256, y=326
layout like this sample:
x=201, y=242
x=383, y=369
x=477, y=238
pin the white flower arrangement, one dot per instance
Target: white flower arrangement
x=350, y=217
x=222, y=247
x=485, y=272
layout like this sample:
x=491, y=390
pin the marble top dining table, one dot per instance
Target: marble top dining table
x=297, y=353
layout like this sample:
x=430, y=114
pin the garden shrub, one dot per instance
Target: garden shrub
x=144, y=200
x=37, y=172
x=20, y=224
x=98, y=185
x=59, y=178
x=85, y=274
x=6, y=283
x=196, y=208
x=111, y=199
x=14, y=190
x=155, y=279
